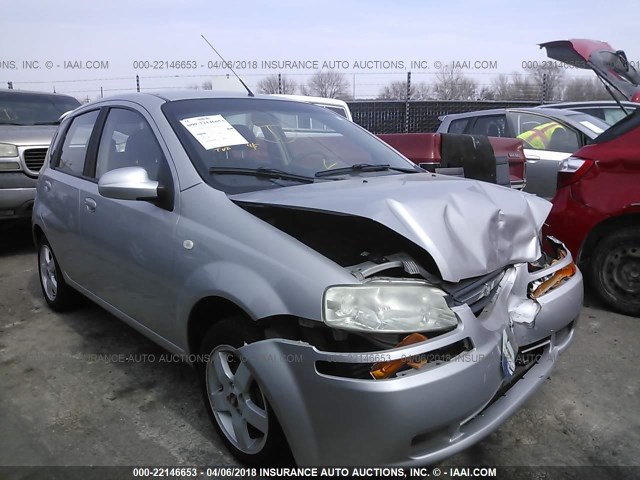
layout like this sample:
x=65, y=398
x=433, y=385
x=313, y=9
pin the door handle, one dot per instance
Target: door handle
x=90, y=204
x=47, y=186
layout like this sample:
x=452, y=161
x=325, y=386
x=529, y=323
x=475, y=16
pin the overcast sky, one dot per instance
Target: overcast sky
x=121, y=32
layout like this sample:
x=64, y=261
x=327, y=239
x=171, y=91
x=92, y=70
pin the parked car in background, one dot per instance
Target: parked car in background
x=549, y=135
x=28, y=121
x=609, y=111
x=491, y=159
x=337, y=106
x=318, y=280
x=596, y=213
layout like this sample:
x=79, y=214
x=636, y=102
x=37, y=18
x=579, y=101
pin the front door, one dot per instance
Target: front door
x=546, y=144
x=130, y=243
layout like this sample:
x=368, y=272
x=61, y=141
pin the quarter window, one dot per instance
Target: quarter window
x=458, y=126
x=74, y=148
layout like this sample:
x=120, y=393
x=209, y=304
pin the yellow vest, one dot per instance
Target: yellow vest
x=539, y=136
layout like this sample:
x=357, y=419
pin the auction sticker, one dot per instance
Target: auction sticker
x=213, y=131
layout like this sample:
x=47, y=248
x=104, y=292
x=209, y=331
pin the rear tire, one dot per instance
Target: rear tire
x=235, y=400
x=59, y=296
x=615, y=271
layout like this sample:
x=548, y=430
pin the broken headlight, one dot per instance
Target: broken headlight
x=390, y=308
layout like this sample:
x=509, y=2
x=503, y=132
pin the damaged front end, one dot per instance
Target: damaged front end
x=407, y=367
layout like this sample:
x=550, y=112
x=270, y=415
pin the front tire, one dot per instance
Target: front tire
x=235, y=400
x=615, y=271
x=58, y=295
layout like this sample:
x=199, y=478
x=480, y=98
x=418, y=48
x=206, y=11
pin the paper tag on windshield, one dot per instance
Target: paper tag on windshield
x=213, y=131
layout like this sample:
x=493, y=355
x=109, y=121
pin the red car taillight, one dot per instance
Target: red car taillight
x=571, y=170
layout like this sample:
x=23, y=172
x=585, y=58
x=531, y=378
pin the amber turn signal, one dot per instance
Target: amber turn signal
x=386, y=369
x=556, y=279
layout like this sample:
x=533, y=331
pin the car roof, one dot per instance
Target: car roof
x=553, y=112
x=593, y=103
x=145, y=98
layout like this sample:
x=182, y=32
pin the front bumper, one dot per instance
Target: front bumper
x=426, y=414
x=17, y=193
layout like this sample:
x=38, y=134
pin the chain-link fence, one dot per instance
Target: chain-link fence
x=415, y=116
x=389, y=85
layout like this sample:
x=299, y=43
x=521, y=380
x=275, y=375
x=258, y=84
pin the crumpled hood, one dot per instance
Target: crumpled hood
x=470, y=228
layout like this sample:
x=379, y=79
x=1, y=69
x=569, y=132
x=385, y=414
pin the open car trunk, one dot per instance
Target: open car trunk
x=610, y=65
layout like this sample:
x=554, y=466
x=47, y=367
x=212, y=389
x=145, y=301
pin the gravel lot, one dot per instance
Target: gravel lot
x=62, y=404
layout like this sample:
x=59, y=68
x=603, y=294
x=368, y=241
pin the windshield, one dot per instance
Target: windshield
x=285, y=143
x=34, y=109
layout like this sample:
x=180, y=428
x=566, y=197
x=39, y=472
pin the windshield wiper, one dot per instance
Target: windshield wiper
x=260, y=172
x=46, y=123
x=363, y=167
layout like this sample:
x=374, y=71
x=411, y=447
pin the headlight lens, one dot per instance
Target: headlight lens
x=8, y=150
x=391, y=308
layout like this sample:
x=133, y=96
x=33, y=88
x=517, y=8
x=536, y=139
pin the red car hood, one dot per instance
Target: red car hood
x=609, y=64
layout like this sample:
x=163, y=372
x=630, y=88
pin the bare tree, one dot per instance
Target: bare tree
x=398, y=91
x=584, y=89
x=501, y=88
x=514, y=86
x=207, y=85
x=452, y=84
x=328, y=84
x=270, y=83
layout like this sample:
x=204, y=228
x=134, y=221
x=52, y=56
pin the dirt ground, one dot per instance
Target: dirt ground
x=66, y=399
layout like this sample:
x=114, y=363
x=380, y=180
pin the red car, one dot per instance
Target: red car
x=596, y=213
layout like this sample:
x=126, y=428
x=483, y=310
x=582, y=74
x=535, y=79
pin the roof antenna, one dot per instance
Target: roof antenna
x=228, y=65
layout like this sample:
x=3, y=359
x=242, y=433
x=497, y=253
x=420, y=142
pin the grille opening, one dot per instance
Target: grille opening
x=362, y=370
x=34, y=158
x=526, y=358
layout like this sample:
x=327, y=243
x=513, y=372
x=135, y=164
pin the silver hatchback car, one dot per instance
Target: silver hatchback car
x=340, y=304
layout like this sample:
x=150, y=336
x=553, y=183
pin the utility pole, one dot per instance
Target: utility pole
x=354, y=86
x=406, y=104
x=543, y=91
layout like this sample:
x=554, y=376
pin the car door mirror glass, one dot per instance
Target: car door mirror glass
x=128, y=183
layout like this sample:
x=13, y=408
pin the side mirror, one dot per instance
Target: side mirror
x=129, y=183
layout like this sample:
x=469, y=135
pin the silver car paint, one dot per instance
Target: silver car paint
x=131, y=258
x=436, y=212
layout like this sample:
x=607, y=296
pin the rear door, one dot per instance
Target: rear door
x=129, y=244
x=552, y=142
x=59, y=189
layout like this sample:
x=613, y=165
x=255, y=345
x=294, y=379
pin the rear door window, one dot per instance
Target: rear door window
x=76, y=141
x=491, y=126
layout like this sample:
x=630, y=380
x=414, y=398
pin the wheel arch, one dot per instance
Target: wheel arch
x=37, y=233
x=604, y=228
x=205, y=313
